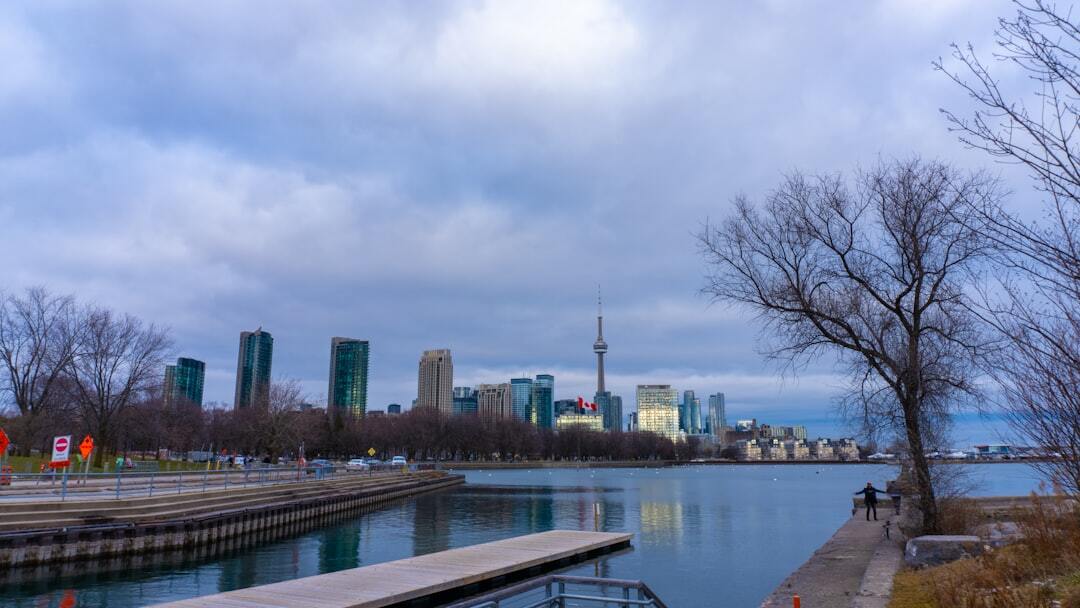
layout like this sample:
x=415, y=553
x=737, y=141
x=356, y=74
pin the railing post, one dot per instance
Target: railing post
x=205, y=478
x=626, y=596
x=63, y=486
x=118, y=472
x=562, y=594
x=151, y=484
x=179, y=482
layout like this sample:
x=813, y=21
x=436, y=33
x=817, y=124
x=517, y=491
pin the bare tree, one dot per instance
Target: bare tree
x=118, y=358
x=38, y=336
x=1036, y=306
x=874, y=275
x=275, y=421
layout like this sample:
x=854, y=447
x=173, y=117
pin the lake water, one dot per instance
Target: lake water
x=703, y=535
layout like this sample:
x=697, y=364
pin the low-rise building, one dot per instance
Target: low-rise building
x=592, y=422
x=775, y=450
x=822, y=449
x=748, y=449
x=797, y=449
x=846, y=449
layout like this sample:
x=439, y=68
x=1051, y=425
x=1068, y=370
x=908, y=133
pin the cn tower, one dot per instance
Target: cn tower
x=599, y=347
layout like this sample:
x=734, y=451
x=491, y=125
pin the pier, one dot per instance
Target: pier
x=426, y=580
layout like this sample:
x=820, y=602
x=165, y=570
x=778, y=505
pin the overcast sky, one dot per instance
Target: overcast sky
x=450, y=175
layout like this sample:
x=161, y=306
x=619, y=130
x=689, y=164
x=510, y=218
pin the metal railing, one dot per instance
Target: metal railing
x=560, y=591
x=131, y=483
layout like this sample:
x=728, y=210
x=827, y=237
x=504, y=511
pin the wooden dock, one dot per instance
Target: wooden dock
x=441, y=576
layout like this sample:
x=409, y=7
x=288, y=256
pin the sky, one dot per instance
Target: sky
x=454, y=175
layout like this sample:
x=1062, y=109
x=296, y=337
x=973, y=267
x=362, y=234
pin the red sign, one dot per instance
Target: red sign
x=4, y=442
x=61, y=451
x=86, y=446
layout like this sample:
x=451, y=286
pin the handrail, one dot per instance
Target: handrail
x=556, y=594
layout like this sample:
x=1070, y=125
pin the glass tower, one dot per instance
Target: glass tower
x=717, y=415
x=465, y=401
x=348, y=376
x=543, y=401
x=521, y=399
x=184, y=382
x=253, y=366
x=658, y=410
x=685, y=406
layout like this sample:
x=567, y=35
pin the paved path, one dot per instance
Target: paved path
x=410, y=580
x=834, y=575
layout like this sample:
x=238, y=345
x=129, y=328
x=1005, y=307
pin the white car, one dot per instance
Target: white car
x=398, y=461
x=356, y=464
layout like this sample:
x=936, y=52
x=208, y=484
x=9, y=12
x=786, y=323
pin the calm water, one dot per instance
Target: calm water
x=702, y=533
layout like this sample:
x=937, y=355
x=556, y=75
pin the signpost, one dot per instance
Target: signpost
x=5, y=477
x=85, y=449
x=61, y=452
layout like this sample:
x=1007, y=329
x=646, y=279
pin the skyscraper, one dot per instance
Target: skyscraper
x=543, y=401
x=435, y=384
x=348, y=377
x=658, y=410
x=520, y=398
x=684, y=411
x=253, y=366
x=695, y=415
x=717, y=415
x=184, y=381
x=616, y=416
x=493, y=401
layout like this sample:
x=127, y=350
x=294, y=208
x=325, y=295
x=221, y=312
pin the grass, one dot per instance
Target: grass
x=1041, y=570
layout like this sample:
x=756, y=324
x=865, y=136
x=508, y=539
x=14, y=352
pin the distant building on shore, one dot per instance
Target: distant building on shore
x=717, y=414
x=347, y=392
x=465, y=401
x=658, y=410
x=494, y=402
x=253, y=368
x=590, y=421
x=566, y=406
x=542, y=401
x=435, y=382
x=393, y=409
x=521, y=399
x=184, y=382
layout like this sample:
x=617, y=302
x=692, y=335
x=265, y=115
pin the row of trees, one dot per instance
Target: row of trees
x=920, y=282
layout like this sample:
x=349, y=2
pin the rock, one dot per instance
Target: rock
x=935, y=550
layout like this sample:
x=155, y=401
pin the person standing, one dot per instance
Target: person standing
x=870, y=498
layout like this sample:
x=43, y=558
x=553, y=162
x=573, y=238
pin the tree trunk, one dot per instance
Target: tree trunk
x=921, y=469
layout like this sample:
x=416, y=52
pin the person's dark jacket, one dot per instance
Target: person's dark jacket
x=871, y=494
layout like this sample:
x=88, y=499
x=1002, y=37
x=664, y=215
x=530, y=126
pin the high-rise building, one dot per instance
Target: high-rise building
x=393, y=409
x=465, y=401
x=684, y=411
x=658, y=410
x=184, y=382
x=695, y=416
x=543, y=401
x=347, y=392
x=616, y=416
x=493, y=401
x=253, y=367
x=566, y=406
x=435, y=384
x=717, y=415
x=520, y=398
x=588, y=421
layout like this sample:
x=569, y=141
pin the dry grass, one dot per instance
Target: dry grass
x=1035, y=572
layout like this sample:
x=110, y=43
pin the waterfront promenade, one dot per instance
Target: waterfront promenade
x=426, y=580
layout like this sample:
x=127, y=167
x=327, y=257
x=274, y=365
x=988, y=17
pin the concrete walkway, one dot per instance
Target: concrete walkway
x=854, y=568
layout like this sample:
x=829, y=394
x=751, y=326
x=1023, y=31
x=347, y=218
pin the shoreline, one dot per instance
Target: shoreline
x=659, y=464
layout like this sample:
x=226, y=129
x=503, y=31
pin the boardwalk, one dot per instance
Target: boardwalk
x=405, y=580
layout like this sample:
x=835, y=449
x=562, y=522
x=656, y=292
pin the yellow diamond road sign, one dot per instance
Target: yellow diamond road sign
x=371, y=451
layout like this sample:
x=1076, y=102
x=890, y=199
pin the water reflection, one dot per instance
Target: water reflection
x=708, y=521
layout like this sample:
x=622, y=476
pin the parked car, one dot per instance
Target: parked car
x=398, y=461
x=356, y=464
x=321, y=465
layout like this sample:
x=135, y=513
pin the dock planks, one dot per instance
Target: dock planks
x=409, y=579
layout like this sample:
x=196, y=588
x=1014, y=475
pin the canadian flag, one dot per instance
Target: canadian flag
x=582, y=404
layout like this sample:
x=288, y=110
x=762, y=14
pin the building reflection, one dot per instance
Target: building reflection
x=431, y=523
x=339, y=547
x=661, y=520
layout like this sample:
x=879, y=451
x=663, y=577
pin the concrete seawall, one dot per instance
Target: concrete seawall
x=105, y=541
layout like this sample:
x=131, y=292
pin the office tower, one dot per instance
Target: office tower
x=587, y=421
x=684, y=411
x=393, y=409
x=493, y=401
x=520, y=397
x=658, y=410
x=465, y=401
x=184, y=382
x=695, y=416
x=347, y=392
x=543, y=401
x=616, y=416
x=632, y=425
x=717, y=415
x=436, y=381
x=253, y=366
